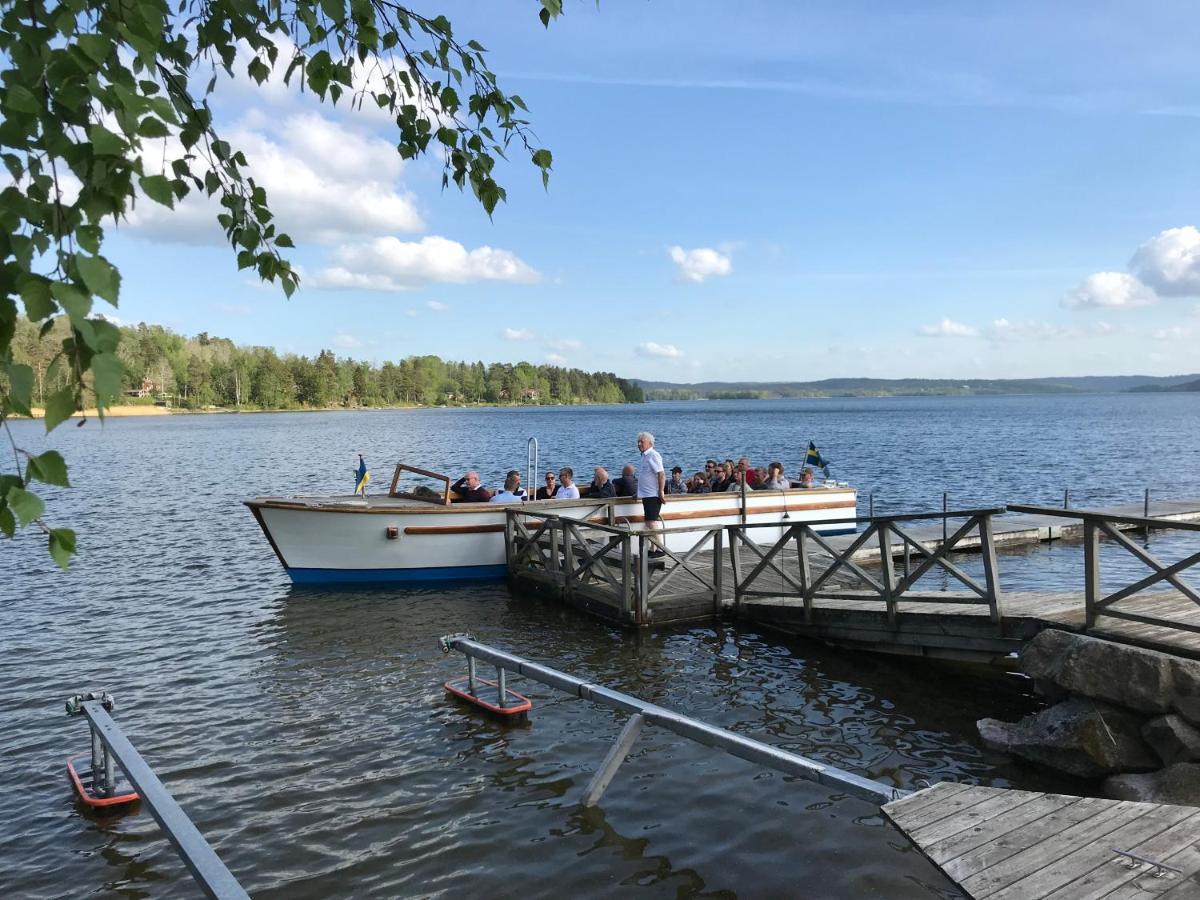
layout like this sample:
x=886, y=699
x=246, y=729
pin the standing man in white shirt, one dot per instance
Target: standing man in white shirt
x=651, y=482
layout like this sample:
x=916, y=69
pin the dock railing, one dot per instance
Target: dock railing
x=1099, y=528
x=889, y=586
x=631, y=572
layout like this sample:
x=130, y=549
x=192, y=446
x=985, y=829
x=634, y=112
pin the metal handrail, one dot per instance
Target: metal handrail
x=201, y=860
x=684, y=726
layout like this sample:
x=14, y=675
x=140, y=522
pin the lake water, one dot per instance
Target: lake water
x=307, y=734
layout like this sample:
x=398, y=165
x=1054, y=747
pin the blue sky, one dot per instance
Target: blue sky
x=751, y=191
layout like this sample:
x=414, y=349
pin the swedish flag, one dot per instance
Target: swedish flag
x=813, y=457
x=360, y=482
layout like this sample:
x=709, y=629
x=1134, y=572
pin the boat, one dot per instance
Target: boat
x=419, y=533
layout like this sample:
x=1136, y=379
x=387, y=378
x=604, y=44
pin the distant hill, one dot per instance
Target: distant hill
x=910, y=387
x=1160, y=388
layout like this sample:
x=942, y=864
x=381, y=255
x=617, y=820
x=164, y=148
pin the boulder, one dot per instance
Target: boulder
x=1145, y=681
x=1079, y=737
x=1188, y=707
x=1178, y=785
x=1173, y=739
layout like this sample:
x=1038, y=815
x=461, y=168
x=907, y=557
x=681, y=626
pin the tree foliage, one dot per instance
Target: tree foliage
x=105, y=104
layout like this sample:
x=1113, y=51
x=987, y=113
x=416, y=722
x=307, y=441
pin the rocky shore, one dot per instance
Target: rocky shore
x=1122, y=714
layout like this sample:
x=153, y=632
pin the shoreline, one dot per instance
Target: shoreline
x=135, y=410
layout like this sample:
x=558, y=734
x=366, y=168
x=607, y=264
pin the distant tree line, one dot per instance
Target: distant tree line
x=203, y=372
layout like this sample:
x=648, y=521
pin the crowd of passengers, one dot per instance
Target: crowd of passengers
x=716, y=477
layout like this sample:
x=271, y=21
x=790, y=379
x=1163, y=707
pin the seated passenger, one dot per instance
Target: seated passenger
x=699, y=484
x=723, y=477
x=739, y=476
x=566, y=485
x=806, y=477
x=469, y=491
x=601, y=485
x=551, y=488
x=520, y=491
x=775, y=480
x=677, y=485
x=626, y=485
x=508, y=494
x=751, y=474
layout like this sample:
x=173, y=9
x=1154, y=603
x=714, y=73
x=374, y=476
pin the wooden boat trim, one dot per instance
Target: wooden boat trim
x=452, y=529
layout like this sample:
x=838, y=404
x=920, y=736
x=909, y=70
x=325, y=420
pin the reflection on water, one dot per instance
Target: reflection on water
x=307, y=734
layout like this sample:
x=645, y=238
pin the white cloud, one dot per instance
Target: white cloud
x=517, y=334
x=345, y=341
x=389, y=264
x=662, y=351
x=949, y=328
x=701, y=263
x=436, y=305
x=325, y=182
x=1113, y=290
x=555, y=359
x=1170, y=262
x=1174, y=333
x=565, y=344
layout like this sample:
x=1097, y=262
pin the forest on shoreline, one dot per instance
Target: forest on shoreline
x=205, y=372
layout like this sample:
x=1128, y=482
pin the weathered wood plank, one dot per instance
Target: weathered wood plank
x=1112, y=872
x=933, y=814
x=972, y=819
x=965, y=841
x=918, y=800
x=1086, y=855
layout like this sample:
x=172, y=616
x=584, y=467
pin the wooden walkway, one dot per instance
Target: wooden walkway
x=1000, y=844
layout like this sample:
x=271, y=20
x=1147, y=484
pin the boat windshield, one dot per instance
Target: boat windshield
x=420, y=484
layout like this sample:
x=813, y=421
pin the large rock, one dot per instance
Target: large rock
x=1188, y=707
x=1173, y=739
x=1145, y=681
x=1080, y=737
x=1178, y=784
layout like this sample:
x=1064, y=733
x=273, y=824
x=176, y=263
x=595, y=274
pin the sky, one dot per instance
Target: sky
x=752, y=191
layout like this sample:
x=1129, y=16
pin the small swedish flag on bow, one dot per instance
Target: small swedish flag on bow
x=360, y=482
x=813, y=458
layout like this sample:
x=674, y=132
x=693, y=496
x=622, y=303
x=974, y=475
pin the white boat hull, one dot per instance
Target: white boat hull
x=345, y=540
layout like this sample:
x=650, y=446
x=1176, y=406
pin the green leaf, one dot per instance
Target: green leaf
x=74, y=302
x=25, y=506
x=104, y=142
x=158, y=189
x=101, y=278
x=22, y=99
x=542, y=158
x=107, y=373
x=60, y=406
x=20, y=380
x=151, y=127
x=7, y=523
x=49, y=467
x=282, y=240
x=35, y=291
x=62, y=545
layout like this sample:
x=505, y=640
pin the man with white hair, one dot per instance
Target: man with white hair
x=651, y=482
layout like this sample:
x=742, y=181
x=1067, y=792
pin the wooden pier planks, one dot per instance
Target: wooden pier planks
x=1002, y=844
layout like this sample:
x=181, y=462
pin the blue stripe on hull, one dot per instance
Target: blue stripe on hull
x=391, y=576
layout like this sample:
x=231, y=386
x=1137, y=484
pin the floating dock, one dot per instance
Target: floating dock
x=999, y=844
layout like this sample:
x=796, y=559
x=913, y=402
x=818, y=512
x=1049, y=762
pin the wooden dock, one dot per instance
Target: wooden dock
x=791, y=578
x=998, y=844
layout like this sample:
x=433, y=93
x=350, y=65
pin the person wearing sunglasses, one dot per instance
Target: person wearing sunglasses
x=551, y=488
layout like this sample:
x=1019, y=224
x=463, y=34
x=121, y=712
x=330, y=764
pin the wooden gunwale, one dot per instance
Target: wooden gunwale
x=548, y=506
x=452, y=529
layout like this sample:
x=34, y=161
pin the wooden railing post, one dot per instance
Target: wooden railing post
x=628, y=589
x=568, y=549
x=718, y=579
x=736, y=536
x=1091, y=572
x=643, y=579
x=887, y=569
x=555, y=525
x=987, y=546
x=801, y=532
x=509, y=515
